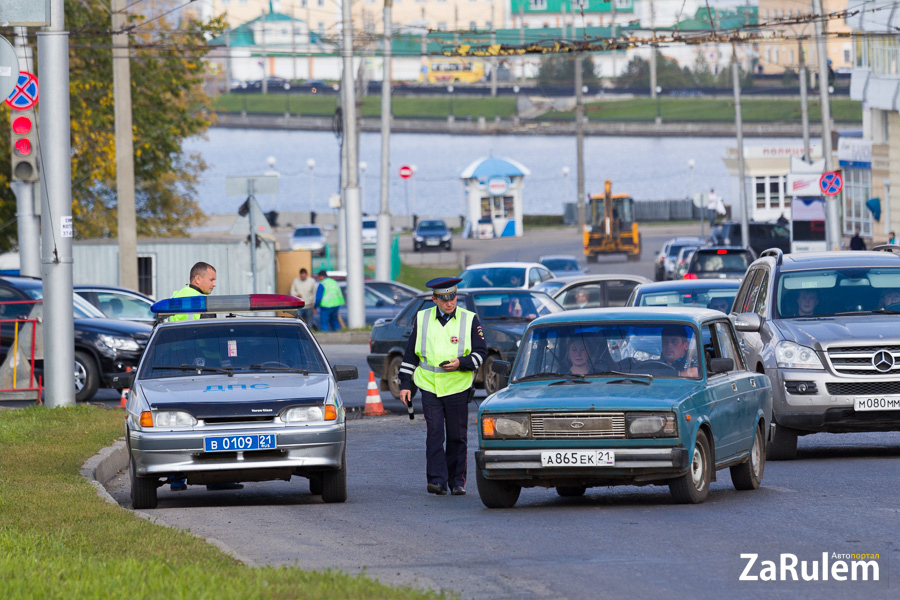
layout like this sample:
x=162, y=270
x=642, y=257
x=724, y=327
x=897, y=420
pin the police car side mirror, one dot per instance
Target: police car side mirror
x=345, y=372
x=721, y=365
x=747, y=321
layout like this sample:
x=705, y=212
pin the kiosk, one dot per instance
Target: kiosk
x=493, y=190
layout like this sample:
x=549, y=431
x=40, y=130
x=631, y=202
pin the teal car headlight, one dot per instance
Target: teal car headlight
x=500, y=427
x=301, y=414
x=651, y=425
x=791, y=355
x=173, y=418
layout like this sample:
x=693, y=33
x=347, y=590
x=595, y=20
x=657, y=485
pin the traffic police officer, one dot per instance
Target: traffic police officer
x=443, y=352
x=203, y=281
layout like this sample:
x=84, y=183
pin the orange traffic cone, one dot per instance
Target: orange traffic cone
x=374, y=407
x=122, y=400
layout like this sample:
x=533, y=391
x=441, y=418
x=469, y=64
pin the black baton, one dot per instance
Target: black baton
x=410, y=409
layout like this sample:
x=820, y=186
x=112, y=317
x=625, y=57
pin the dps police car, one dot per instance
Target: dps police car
x=233, y=399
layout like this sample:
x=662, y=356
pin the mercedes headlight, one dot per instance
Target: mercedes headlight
x=791, y=355
x=303, y=414
x=498, y=427
x=651, y=425
x=173, y=419
x=116, y=342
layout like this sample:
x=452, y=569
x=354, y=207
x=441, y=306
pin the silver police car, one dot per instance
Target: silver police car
x=235, y=399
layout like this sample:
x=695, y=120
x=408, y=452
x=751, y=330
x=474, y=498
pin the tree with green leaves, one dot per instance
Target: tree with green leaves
x=559, y=70
x=169, y=104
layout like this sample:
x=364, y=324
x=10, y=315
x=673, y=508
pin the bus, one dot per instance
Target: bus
x=452, y=70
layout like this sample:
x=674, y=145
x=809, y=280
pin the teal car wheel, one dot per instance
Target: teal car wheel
x=748, y=475
x=570, y=491
x=497, y=494
x=693, y=486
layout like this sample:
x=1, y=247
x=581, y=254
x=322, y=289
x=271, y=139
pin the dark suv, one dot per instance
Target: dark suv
x=762, y=236
x=103, y=347
x=823, y=327
x=719, y=262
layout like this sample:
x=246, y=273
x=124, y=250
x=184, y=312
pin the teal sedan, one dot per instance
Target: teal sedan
x=631, y=396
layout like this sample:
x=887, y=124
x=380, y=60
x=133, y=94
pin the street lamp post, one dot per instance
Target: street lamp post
x=691, y=178
x=565, y=174
x=272, y=171
x=363, y=165
x=287, y=100
x=450, y=117
x=412, y=181
x=516, y=92
x=311, y=165
x=658, y=106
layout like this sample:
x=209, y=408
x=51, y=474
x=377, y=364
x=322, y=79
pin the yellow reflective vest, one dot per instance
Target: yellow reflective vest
x=435, y=344
x=184, y=293
x=331, y=293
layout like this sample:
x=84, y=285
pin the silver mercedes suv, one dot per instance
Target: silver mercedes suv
x=824, y=327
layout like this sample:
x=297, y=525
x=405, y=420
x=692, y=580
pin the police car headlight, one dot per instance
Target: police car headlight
x=643, y=425
x=118, y=343
x=174, y=418
x=303, y=414
x=505, y=426
x=791, y=355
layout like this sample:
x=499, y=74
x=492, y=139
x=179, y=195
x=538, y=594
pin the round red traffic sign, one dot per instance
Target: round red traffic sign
x=25, y=94
x=831, y=183
x=406, y=172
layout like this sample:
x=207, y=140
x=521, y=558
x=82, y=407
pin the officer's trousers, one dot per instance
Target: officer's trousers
x=450, y=415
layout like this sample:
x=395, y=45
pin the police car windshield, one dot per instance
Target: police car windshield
x=607, y=350
x=249, y=347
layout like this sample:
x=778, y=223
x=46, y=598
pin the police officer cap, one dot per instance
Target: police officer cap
x=444, y=287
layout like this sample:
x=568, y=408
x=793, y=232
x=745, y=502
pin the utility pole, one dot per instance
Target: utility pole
x=265, y=56
x=28, y=223
x=522, y=42
x=653, y=52
x=228, y=59
x=127, y=219
x=494, y=63
x=383, y=224
x=56, y=206
x=579, y=141
x=293, y=46
x=309, y=59
x=739, y=126
x=356, y=310
x=804, y=103
x=832, y=203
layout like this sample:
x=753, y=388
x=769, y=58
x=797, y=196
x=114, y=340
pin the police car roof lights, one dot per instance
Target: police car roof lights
x=238, y=303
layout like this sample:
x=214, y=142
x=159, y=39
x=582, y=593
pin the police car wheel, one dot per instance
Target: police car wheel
x=334, y=484
x=315, y=484
x=143, y=490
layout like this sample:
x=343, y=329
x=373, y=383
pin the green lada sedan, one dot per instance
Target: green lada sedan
x=631, y=396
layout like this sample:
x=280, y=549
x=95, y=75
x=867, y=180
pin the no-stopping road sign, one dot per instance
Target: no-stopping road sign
x=831, y=183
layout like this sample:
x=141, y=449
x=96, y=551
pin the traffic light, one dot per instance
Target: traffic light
x=24, y=145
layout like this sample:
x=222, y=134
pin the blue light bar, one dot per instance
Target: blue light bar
x=215, y=304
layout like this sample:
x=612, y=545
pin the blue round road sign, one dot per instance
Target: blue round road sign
x=831, y=183
x=25, y=95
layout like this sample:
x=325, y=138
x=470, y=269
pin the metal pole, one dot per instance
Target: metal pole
x=29, y=225
x=356, y=310
x=251, y=204
x=311, y=165
x=56, y=209
x=887, y=205
x=494, y=63
x=265, y=57
x=804, y=103
x=579, y=142
x=832, y=203
x=127, y=218
x=383, y=224
x=738, y=124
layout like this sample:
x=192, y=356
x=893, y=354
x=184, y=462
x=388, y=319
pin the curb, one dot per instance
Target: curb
x=105, y=465
x=342, y=337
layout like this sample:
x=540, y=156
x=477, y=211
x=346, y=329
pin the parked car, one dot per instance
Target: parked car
x=762, y=236
x=273, y=84
x=562, y=265
x=246, y=398
x=309, y=237
x=682, y=261
x=724, y=262
x=432, y=233
x=504, y=274
x=823, y=327
x=103, y=347
x=314, y=86
x=595, y=291
x=399, y=292
x=378, y=306
x=593, y=400
x=502, y=331
x=717, y=294
x=369, y=235
x=664, y=266
x=118, y=302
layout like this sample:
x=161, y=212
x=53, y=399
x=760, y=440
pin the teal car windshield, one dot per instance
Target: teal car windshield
x=231, y=347
x=830, y=292
x=575, y=351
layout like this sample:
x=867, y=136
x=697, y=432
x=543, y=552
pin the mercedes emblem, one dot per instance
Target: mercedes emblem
x=883, y=361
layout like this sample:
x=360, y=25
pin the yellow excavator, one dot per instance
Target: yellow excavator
x=610, y=226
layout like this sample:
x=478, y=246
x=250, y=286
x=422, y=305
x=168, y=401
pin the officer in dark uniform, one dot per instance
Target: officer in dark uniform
x=443, y=352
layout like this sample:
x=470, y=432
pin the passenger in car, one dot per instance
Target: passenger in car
x=719, y=304
x=807, y=301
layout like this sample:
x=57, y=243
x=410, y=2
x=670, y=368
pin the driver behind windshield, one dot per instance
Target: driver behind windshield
x=678, y=352
x=888, y=298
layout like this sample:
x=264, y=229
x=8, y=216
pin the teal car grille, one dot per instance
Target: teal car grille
x=578, y=426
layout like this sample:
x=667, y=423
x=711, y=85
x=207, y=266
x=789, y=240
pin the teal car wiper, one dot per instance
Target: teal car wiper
x=280, y=368
x=548, y=376
x=571, y=379
x=644, y=378
x=186, y=367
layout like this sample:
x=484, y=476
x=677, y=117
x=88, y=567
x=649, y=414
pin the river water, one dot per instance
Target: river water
x=648, y=168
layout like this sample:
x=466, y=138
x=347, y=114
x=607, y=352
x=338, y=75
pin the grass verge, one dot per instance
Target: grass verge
x=58, y=539
x=418, y=276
